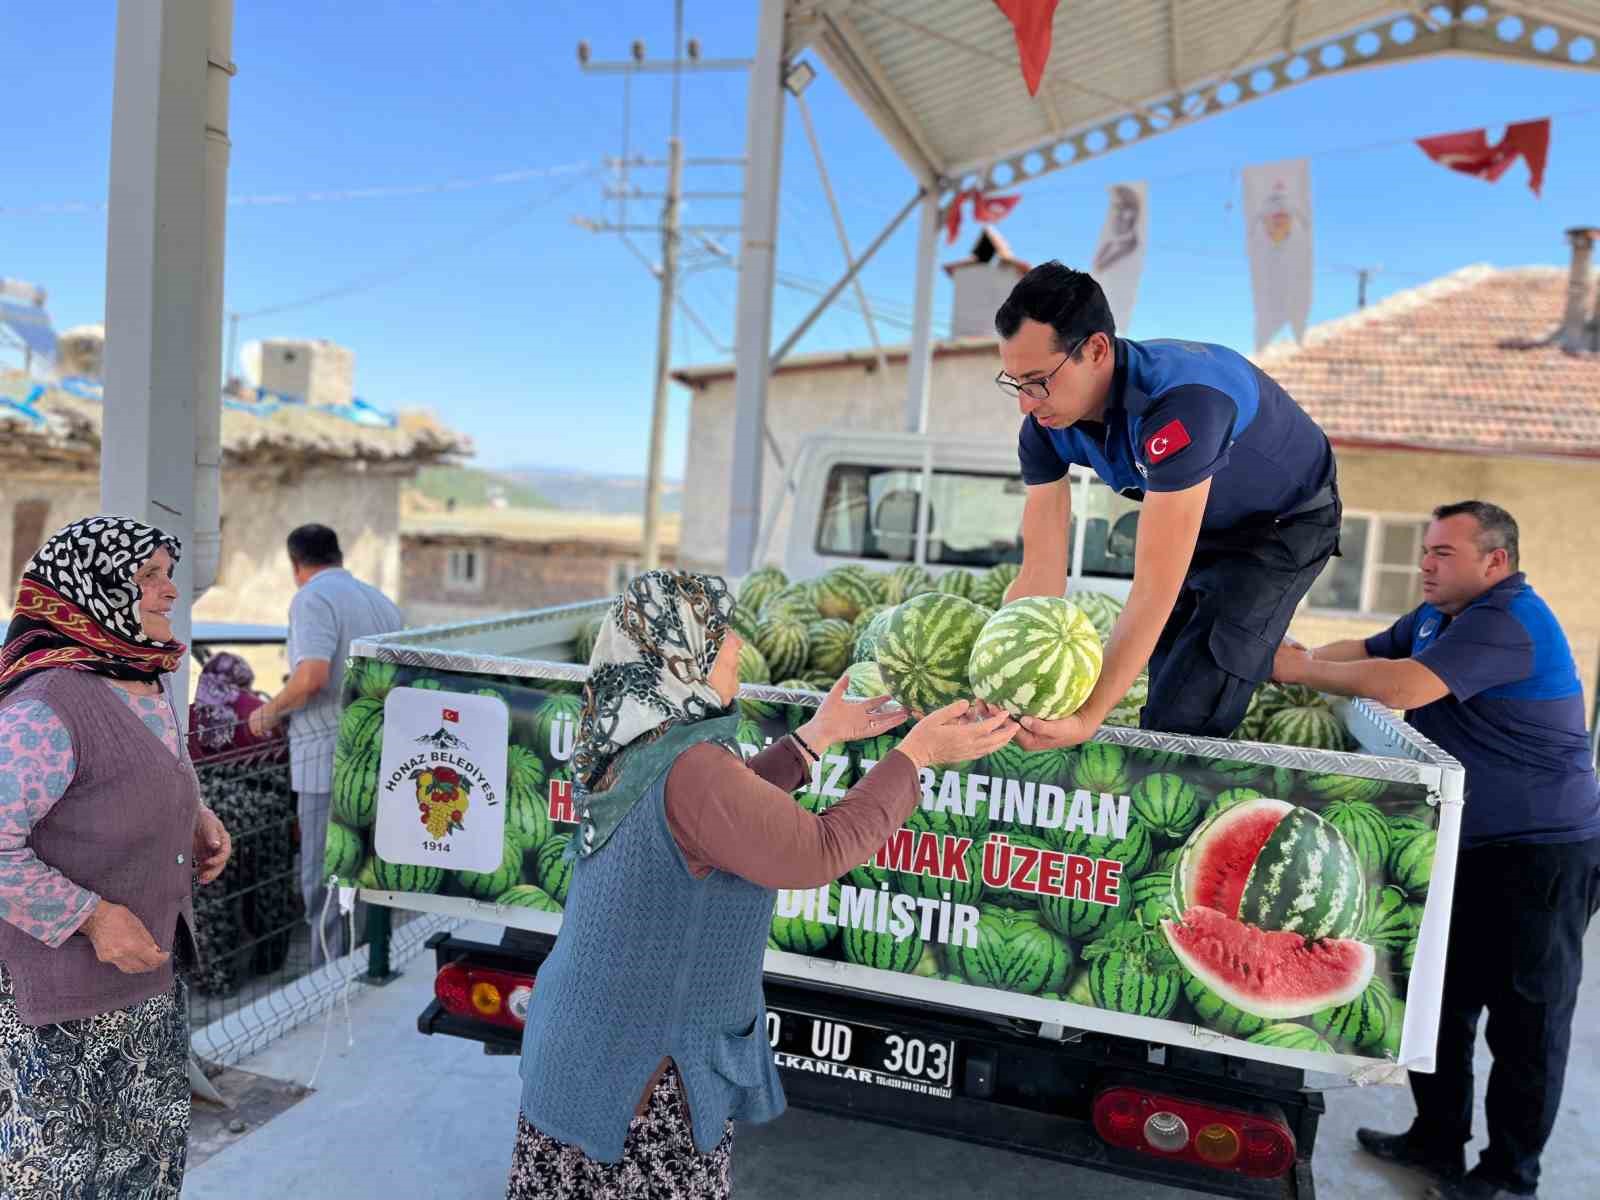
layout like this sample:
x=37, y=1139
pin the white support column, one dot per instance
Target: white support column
x=757, y=265
x=163, y=268
x=919, y=365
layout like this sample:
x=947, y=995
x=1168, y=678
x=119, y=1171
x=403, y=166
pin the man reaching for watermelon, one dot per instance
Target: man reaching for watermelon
x=1240, y=507
x=1483, y=669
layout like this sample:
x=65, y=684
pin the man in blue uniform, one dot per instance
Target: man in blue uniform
x=1240, y=505
x=1483, y=669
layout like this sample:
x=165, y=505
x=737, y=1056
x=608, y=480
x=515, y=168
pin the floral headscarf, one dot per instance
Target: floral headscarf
x=649, y=679
x=78, y=607
x=223, y=679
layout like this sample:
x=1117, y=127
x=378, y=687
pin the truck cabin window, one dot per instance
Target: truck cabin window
x=973, y=520
x=1110, y=523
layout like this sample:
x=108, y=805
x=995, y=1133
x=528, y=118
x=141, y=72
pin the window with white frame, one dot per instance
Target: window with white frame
x=464, y=571
x=1377, y=572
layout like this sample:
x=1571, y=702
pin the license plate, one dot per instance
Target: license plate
x=856, y=1053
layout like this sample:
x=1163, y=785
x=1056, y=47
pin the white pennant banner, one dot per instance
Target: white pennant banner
x=1119, y=255
x=1277, y=213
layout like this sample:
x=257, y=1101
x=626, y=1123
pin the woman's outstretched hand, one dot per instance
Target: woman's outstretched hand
x=841, y=720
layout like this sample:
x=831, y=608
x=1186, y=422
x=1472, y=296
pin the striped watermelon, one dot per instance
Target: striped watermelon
x=1011, y=761
x=360, y=726
x=1216, y=1013
x=753, y=665
x=1234, y=795
x=1360, y=1024
x=1102, y=767
x=1132, y=970
x=783, y=642
x=1005, y=896
x=341, y=853
x=744, y=622
x=821, y=681
x=1125, y=713
x=800, y=936
x=1287, y=1035
x=367, y=877
x=873, y=750
x=555, y=724
x=877, y=582
x=1315, y=728
x=1083, y=920
x=1101, y=609
x=1170, y=807
x=1403, y=828
x=403, y=877
x=884, y=951
x=865, y=617
x=551, y=870
x=1146, y=759
x=1015, y=953
x=1364, y=827
x=794, y=602
x=1078, y=990
x=355, y=787
x=866, y=681
x=1390, y=1046
x=1408, y=956
x=426, y=685
x=905, y=581
x=1151, y=897
x=992, y=584
x=1272, y=698
x=1275, y=866
x=1329, y=788
x=959, y=582
x=373, y=679
x=488, y=884
x=843, y=593
x=829, y=643
x=525, y=895
x=866, y=647
x=932, y=887
x=1392, y=920
x=761, y=585
x=1237, y=773
x=1411, y=866
x=1134, y=850
x=527, y=807
x=1167, y=860
x=1036, y=657
x=925, y=650
x=955, y=824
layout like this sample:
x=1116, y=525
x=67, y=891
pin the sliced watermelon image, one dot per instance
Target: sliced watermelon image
x=1273, y=974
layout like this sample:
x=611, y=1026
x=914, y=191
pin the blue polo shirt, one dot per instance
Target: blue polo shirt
x=1183, y=412
x=1514, y=717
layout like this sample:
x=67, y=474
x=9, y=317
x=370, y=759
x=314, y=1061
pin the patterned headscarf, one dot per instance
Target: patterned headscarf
x=651, y=666
x=78, y=607
x=222, y=680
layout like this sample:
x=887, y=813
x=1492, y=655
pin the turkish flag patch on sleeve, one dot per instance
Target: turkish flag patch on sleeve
x=1166, y=441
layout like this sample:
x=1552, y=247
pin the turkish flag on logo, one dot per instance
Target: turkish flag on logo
x=1166, y=441
x=452, y=715
x=1471, y=154
x=1031, y=21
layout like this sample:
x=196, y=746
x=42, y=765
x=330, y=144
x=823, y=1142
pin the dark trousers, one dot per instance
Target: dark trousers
x=1516, y=949
x=1235, y=607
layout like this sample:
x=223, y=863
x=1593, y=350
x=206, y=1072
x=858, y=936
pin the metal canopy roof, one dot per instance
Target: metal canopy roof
x=941, y=79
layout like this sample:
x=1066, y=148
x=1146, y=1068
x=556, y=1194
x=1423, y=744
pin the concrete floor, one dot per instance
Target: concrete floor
x=399, y=1116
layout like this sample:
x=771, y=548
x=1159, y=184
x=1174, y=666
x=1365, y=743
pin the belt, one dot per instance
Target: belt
x=1324, y=496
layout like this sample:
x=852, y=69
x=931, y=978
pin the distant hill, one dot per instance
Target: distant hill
x=584, y=491
x=471, y=487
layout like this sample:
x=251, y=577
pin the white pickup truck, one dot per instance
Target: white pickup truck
x=987, y=976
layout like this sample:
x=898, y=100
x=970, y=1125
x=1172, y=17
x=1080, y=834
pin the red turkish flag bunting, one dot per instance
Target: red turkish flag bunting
x=1031, y=20
x=984, y=209
x=1471, y=154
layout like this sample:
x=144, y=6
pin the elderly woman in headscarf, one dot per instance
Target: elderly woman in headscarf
x=645, y=1038
x=101, y=832
x=219, y=717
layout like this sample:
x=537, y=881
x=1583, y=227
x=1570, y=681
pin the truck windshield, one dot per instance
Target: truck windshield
x=974, y=519
x=1110, y=522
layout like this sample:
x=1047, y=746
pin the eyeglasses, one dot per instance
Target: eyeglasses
x=1037, y=389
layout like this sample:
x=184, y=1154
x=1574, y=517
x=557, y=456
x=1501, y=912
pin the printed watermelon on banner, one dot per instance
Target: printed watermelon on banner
x=360, y=727
x=1362, y=1023
x=1411, y=864
x=925, y=650
x=1133, y=850
x=1168, y=805
x=526, y=895
x=1146, y=759
x=341, y=853
x=1006, y=896
x=488, y=884
x=1287, y=1035
x=1037, y=657
x=1082, y=920
x=402, y=877
x=1132, y=970
x=797, y=935
x=1216, y=1013
x=932, y=886
x=1329, y=788
x=1274, y=866
x=555, y=726
x=1236, y=773
x=1232, y=796
x=1102, y=767
x=355, y=786
x=1151, y=896
x=373, y=680
x=1078, y=990
x=1364, y=827
x=1392, y=920
x=551, y=869
x=1275, y=975
x=527, y=806
x=884, y=951
x=1014, y=953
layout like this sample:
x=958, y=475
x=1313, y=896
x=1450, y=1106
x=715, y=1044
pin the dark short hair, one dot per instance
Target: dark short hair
x=1068, y=301
x=315, y=546
x=1497, y=529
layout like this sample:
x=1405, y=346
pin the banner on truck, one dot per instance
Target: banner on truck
x=1258, y=911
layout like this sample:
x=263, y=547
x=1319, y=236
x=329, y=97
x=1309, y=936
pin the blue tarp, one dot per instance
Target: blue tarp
x=32, y=325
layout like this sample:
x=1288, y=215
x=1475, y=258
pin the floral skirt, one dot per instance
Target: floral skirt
x=95, y=1108
x=659, y=1159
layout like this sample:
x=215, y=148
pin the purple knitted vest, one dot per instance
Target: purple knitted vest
x=124, y=829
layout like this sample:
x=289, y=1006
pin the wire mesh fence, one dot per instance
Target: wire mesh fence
x=262, y=967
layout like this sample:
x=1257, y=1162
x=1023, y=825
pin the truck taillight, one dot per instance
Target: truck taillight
x=484, y=994
x=1167, y=1127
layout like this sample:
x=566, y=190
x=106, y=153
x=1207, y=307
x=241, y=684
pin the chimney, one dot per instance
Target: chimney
x=1579, y=330
x=322, y=373
x=982, y=281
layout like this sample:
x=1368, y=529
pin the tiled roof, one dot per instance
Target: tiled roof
x=1451, y=365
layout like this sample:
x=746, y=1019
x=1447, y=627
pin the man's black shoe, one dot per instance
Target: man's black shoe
x=1398, y=1148
x=1474, y=1186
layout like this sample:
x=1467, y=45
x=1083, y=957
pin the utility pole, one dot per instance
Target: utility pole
x=670, y=229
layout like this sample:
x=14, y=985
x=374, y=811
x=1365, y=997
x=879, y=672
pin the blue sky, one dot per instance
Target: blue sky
x=537, y=338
